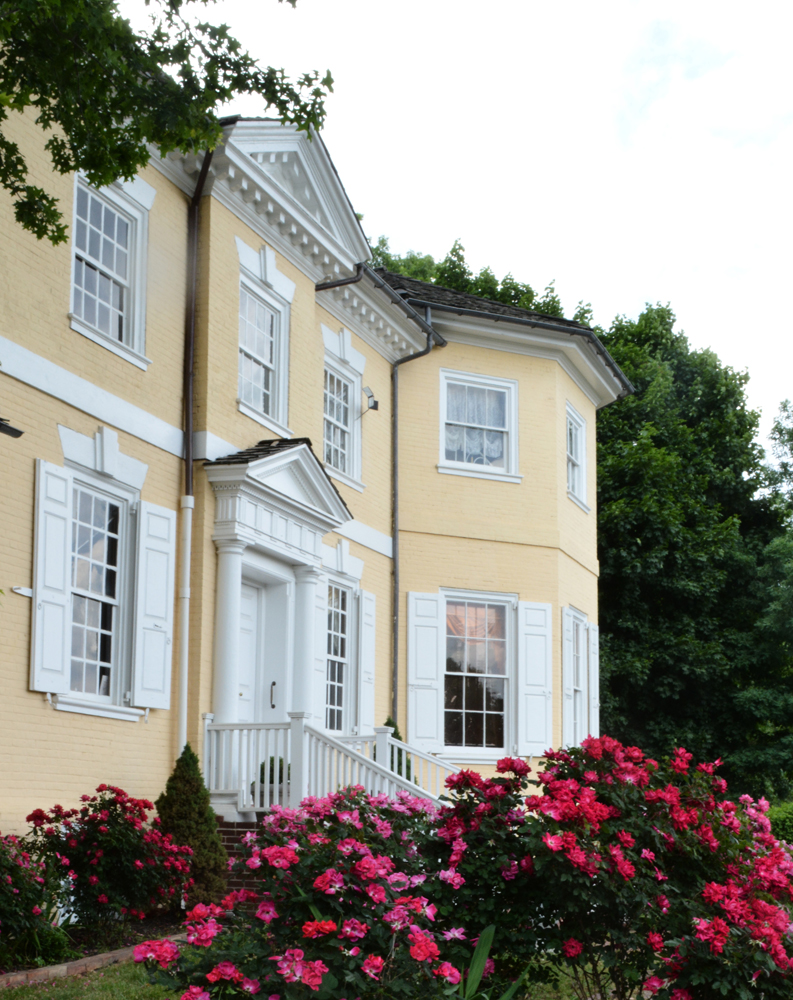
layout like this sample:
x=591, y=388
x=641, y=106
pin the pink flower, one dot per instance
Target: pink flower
x=250, y=985
x=654, y=984
x=36, y=910
x=373, y=966
x=451, y=876
x=376, y=893
x=163, y=952
x=455, y=934
x=101, y=898
x=681, y=994
x=225, y=970
x=266, y=911
x=626, y=839
x=330, y=882
x=202, y=934
x=448, y=972
x=655, y=941
x=280, y=857
x=554, y=841
x=422, y=948
x=572, y=948
x=353, y=929
x=318, y=928
x=195, y=993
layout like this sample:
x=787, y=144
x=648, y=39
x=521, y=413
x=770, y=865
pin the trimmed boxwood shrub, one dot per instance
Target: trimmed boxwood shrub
x=185, y=813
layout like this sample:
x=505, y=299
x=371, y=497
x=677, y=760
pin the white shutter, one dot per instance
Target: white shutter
x=568, y=714
x=426, y=654
x=366, y=663
x=535, y=679
x=52, y=599
x=154, y=600
x=594, y=680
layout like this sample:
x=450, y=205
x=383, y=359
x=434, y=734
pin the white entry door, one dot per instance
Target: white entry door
x=251, y=648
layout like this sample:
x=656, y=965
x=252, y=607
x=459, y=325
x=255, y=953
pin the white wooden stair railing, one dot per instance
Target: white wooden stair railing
x=269, y=763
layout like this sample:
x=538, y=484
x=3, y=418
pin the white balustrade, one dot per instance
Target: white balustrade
x=279, y=763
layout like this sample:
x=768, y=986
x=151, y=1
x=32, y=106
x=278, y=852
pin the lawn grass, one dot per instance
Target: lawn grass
x=127, y=981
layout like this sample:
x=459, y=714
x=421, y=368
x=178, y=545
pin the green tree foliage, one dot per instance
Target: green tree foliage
x=186, y=814
x=696, y=586
x=105, y=92
x=453, y=272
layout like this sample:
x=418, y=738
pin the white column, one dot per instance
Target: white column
x=307, y=579
x=226, y=686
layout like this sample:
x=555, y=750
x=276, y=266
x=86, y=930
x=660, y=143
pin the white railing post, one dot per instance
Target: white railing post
x=382, y=750
x=206, y=750
x=298, y=781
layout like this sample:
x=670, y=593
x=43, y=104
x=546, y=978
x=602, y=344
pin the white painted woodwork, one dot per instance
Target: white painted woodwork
x=52, y=580
x=426, y=658
x=534, y=682
x=154, y=606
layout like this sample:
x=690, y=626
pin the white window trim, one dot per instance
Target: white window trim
x=343, y=360
x=114, y=706
x=591, y=667
x=574, y=417
x=260, y=276
x=510, y=386
x=133, y=199
x=487, y=755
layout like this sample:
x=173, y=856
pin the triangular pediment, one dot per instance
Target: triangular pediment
x=297, y=170
x=295, y=475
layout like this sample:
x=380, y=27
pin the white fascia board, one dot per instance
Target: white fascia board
x=210, y=447
x=573, y=354
x=25, y=366
x=373, y=317
x=370, y=538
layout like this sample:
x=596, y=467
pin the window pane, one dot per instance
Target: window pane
x=453, y=729
x=496, y=621
x=496, y=656
x=495, y=730
x=494, y=697
x=455, y=443
x=474, y=445
x=474, y=694
x=474, y=729
x=496, y=408
x=454, y=693
x=455, y=653
x=476, y=405
x=494, y=448
x=455, y=402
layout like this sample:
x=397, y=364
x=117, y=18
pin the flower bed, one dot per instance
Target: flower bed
x=630, y=874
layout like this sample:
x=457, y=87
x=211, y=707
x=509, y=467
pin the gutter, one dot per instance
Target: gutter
x=433, y=338
x=187, y=502
x=627, y=386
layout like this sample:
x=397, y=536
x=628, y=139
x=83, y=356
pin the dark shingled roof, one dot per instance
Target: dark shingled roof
x=272, y=447
x=446, y=298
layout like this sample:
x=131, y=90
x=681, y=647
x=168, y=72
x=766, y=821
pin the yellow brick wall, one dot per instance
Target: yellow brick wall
x=47, y=755
x=35, y=313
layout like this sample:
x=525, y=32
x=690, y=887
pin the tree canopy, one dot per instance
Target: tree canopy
x=105, y=92
x=694, y=543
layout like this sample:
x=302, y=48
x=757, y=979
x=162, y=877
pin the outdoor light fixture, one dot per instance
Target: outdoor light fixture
x=15, y=432
x=373, y=403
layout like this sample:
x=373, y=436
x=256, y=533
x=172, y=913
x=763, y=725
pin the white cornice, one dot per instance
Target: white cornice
x=326, y=247
x=573, y=353
x=374, y=318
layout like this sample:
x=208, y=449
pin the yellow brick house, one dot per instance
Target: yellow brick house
x=267, y=496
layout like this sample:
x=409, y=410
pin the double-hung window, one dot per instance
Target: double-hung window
x=580, y=673
x=338, y=422
x=576, y=456
x=342, y=423
x=109, y=240
x=263, y=353
x=479, y=434
x=257, y=359
x=103, y=584
x=475, y=679
x=480, y=675
x=337, y=686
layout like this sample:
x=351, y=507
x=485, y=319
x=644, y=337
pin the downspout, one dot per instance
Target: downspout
x=431, y=336
x=187, y=502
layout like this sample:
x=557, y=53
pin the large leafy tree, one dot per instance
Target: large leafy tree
x=104, y=92
x=695, y=547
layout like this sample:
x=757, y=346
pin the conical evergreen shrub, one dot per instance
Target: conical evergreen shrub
x=186, y=814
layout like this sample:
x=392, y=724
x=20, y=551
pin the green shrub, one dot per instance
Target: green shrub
x=186, y=814
x=781, y=817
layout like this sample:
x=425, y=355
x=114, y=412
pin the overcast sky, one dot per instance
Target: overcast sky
x=632, y=151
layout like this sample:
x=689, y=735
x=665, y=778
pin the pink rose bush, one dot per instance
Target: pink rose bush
x=634, y=876
x=106, y=861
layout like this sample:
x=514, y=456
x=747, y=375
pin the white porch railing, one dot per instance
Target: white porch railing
x=258, y=765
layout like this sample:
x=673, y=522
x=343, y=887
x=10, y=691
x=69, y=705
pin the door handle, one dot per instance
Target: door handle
x=272, y=695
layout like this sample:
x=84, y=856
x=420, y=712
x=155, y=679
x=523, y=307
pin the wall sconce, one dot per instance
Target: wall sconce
x=15, y=432
x=373, y=403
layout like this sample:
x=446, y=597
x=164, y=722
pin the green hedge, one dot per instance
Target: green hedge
x=781, y=817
